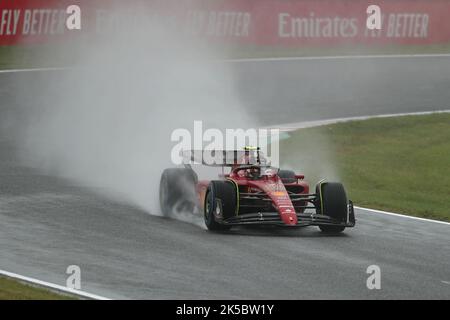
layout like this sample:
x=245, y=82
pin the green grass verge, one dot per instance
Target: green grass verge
x=15, y=290
x=37, y=56
x=54, y=55
x=400, y=164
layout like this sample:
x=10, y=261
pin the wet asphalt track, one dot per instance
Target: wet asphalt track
x=47, y=223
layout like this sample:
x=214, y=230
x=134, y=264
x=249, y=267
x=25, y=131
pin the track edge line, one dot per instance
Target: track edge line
x=53, y=286
x=402, y=215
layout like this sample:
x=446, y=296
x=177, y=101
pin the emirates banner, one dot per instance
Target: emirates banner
x=252, y=22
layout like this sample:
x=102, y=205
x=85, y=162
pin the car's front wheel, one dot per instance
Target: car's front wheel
x=333, y=202
x=331, y=229
x=220, y=203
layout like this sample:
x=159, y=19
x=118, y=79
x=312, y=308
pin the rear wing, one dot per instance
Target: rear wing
x=223, y=158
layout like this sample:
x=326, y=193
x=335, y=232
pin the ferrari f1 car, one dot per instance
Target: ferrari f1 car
x=254, y=193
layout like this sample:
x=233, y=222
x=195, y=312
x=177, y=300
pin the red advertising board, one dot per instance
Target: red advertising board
x=254, y=22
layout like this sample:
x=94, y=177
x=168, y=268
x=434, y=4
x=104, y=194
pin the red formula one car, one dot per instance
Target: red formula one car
x=254, y=193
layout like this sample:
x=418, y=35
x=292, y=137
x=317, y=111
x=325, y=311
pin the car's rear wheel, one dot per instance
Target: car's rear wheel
x=220, y=204
x=333, y=202
x=287, y=176
x=177, y=191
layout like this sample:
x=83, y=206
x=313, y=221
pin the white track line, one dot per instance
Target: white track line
x=317, y=123
x=343, y=57
x=402, y=215
x=32, y=70
x=52, y=286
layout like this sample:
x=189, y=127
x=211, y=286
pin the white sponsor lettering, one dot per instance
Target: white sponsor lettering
x=316, y=27
x=219, y=23
x=9, y=20
x=407, y=25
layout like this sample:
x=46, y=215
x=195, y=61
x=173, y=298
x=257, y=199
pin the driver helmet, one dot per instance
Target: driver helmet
x=254, y=172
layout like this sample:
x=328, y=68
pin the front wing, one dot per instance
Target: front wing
x=304, y=219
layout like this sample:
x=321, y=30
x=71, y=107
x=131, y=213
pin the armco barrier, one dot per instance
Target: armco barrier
x=253, y=22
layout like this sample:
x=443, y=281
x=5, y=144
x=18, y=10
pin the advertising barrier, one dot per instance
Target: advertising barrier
x=286, y=23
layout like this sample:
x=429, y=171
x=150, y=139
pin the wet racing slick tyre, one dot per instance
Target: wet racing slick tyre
x=287, y=176
x=177, y=191
x=333, y=203
x=220, y=203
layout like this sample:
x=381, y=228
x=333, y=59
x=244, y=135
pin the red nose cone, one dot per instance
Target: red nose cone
x=292, y=221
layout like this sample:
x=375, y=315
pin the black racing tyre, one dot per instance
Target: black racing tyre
x=332, y=201
x=177, y=190
x=220, y=203
x=331, y=229
x=287, y=176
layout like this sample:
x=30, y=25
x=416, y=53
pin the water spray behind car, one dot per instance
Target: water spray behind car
x=107, y=122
